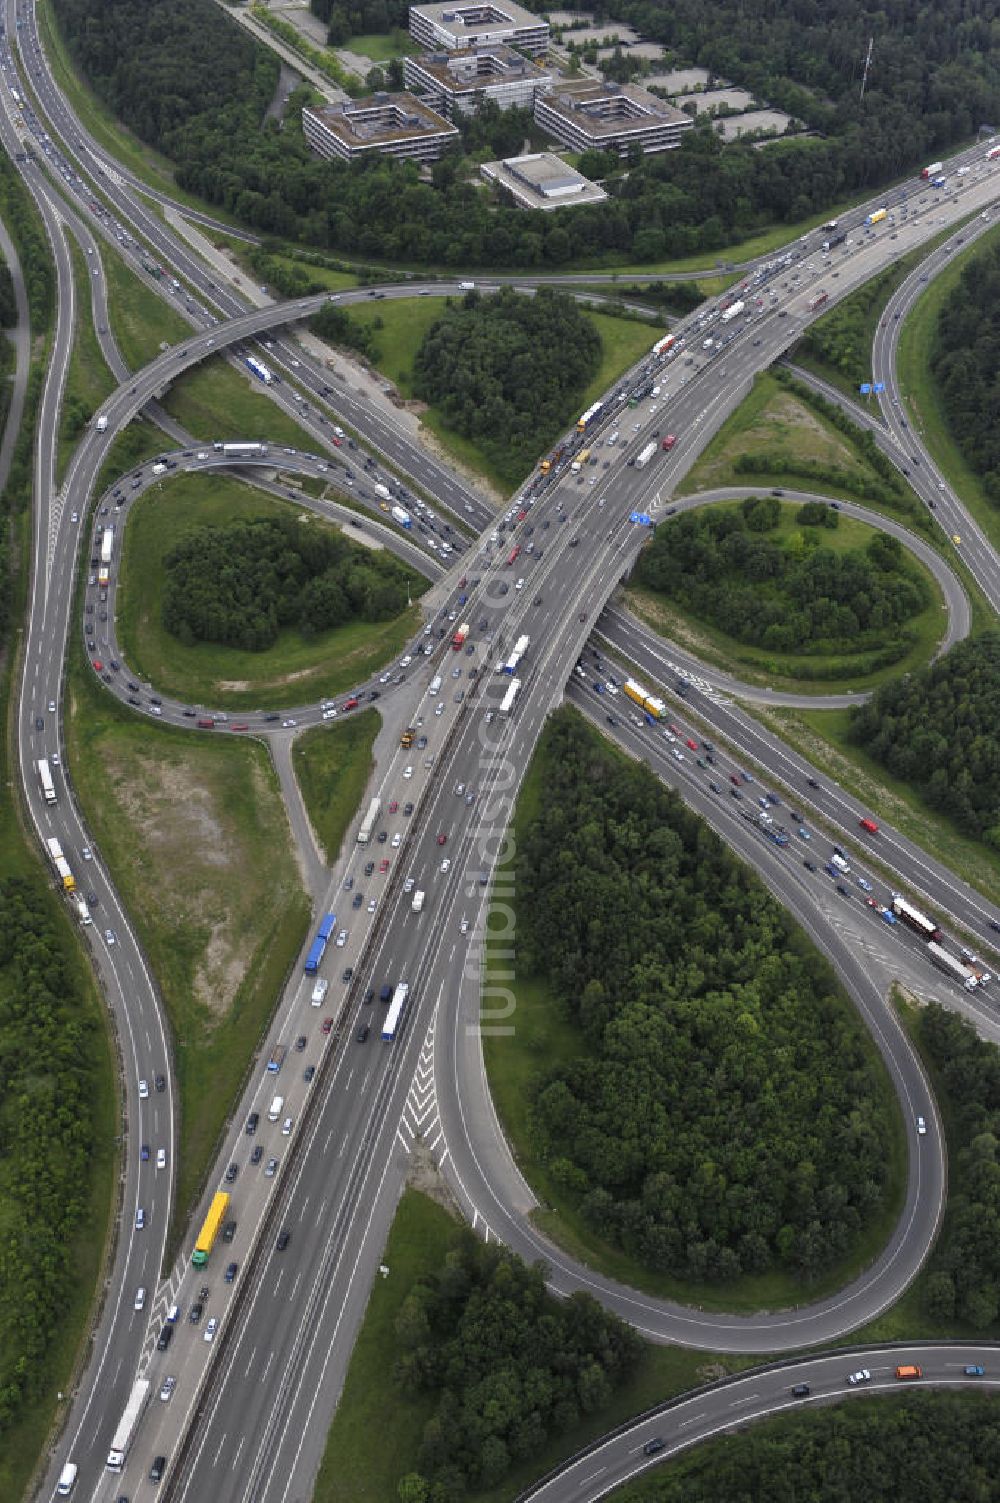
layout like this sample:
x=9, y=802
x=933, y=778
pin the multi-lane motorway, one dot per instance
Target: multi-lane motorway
x=250, y=1423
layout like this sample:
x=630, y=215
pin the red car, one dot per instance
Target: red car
x=734, y=780
x=205, y=725
x=350, y=704
x=693, y=745
x=675, y=728
x=98, y=666
x=394, y=806
x=337, y=442
x=442, y=839
x=383, y=865
x=327, y=1024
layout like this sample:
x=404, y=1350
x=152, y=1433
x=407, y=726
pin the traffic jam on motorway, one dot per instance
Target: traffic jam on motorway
x=762, y=810
x=605, y=436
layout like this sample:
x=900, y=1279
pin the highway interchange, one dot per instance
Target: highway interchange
x=249, y=1417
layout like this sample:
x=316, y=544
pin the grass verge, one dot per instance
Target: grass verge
x=214, y=401
x=88, y=380
x=354, y=1470
x=196, y=838
x=333, y=764
x=383, y=47
x=291, y=672
x=919, y=392
x=806, y=672
x=141, y=322
x=514, y=1064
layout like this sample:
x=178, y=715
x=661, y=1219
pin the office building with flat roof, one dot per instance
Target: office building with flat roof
x=542, y=181
x=453, y=82
x=610, y=117
x=457, y=27
x=394, y=125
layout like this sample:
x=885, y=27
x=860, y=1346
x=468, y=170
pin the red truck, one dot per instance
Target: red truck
x=818, y=301
x=458, y=640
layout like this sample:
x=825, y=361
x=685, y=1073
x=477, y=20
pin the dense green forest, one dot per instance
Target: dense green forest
x=787, y=594
x=922, y=1447
x=725, y=1115
x=963, y=1275
x=510, y=1366
x=508, y=371
x=939, y=731
x=46, y=1138
x=239, y=585
x=187, y=80
x=965, y=362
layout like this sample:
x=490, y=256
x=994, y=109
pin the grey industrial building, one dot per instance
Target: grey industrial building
x=454, y=28
x=394, y=125
x=456, y=82
x=542, y=181
x=610, y=117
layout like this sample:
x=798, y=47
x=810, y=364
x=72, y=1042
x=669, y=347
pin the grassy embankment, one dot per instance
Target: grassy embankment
x=88, y=379
x=195, y=836
x=332, y=764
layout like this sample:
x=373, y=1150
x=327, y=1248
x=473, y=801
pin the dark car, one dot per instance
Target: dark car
x=362, y=1033
x=284, y=1237
x=231, y=1173
x=158, y=1468
x=810, y=866
x=369, y=868
x=253, y=1122
x=300, y=1043
x=801, y=1391
x=308, y=1072
x=161, y=1080
x=257, y=1155
x=195, y=1313
x=164, y=1339
x=348, y=973
x=230, y=1273
x=229, y=1231
x=652, y=1447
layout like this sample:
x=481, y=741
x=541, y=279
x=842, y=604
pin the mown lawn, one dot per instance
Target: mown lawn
x=333, y=764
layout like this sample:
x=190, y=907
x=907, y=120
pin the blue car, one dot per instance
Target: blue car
x=974, y=1370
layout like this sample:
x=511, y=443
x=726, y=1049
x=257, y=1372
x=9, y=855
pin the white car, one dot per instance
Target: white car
x=439, y=710
x=861, y=1376
x=520, y=584
x=289, y=725
x=372, y=904
x=140, y=1219
x=161, y=1158
x=679, y=755
x=286, y=1127
x=341, y=939
x=143, y=1090
x=329, y=714
x=210, y=1329
x=385, y=678
x=397, y=841
x=167, y=1388
x=405, y=662
x=408, y=885
x=74, y=517
x=446, y=865
x=140, y=1298
x=407, y=772
x=319, y=991
x=921, y=1127
x=87, y=853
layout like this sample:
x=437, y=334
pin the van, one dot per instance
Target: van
x=909, y=1372
x=319, y=991
x=418, y=902
x=173, y=1315
x=67, y=1479
x=435, y=684
x=274, y=1110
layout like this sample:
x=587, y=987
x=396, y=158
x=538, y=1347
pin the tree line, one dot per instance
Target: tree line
x=938, y=729
x=724, y=1114
x=965, y=363
x=240, y=584
x=46, y=1138
x=508, y=372
x=190, y=82
x=508, y=1366
x=786, y=595
x=926, y=1446
x=962, y=1280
